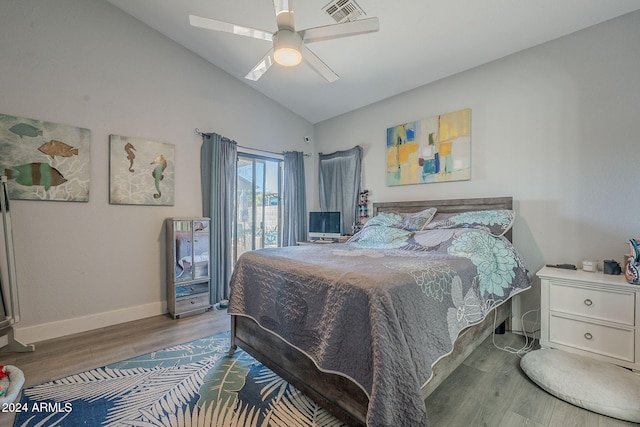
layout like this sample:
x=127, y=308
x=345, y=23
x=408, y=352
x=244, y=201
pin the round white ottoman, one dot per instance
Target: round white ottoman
x=591, y=384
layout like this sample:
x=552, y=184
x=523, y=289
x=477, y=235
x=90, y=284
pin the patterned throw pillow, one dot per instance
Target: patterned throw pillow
x=416, y=221
x=385, y=219
x=380, y=237
x=497, y=222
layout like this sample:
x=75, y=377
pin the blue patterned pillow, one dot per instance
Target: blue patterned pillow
x=385, y=219
x=497, y=222
x=381, y=237
x=416, y=221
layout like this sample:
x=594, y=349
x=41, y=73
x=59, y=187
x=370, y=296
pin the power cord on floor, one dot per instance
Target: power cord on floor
x=528, y=345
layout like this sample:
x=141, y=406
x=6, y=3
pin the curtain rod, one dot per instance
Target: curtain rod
x=255, y=149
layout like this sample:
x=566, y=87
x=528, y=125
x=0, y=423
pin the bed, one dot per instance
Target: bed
x=355, y=326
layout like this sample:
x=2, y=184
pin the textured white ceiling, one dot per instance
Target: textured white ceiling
x=419, y=41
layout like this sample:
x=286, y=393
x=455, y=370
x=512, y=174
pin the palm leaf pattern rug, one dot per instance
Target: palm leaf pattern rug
x=188, y=385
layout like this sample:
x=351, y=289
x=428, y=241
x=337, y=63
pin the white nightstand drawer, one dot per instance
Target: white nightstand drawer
x=605, y=305
x=608, y=341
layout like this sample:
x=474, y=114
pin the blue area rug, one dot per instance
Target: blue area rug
x=192, y=384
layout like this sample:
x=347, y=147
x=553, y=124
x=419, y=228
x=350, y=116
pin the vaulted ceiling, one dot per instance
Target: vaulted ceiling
x=419, y=41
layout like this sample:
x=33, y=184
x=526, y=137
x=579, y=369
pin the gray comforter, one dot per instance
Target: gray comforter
x=379, y=312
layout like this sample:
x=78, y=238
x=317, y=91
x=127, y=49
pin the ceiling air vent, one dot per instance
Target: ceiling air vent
x=343, y=10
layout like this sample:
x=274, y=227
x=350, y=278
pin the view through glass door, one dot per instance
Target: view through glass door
x=258, y=203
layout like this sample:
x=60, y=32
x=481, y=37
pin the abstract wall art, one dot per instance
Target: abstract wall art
x=437, y=149
x=142, y=172
x=44, y=160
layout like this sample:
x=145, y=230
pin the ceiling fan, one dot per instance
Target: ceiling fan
x=288, y=44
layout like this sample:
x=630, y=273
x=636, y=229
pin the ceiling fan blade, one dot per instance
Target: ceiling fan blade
x=212, y=24
x=261, y=67
x=328, y=32
x=318, y=66
x=284, y=14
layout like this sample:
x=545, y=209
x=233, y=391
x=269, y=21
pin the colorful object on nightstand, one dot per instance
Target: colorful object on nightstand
x=632, y=270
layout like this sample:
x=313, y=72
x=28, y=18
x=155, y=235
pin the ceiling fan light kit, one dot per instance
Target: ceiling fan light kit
x=287, y=48
x=288, y=44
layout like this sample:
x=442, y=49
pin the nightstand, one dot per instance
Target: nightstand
x=591, y=314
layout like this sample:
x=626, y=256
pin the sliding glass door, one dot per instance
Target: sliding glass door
x=258, y=203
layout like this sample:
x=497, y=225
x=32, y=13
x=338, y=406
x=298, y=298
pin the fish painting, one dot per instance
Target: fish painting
x=23, y=129
x=36, y=174
x=55, y=148
x=160, y=165
x=129, y=148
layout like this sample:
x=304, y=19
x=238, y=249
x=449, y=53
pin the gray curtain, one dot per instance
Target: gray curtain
x=294, y=220
x=218, y=157
x=340, y=185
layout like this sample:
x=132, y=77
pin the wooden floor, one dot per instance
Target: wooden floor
x=488, y=389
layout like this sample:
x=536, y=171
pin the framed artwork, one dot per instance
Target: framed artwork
x=44, y=160
x=437, y=149
x=142, y=172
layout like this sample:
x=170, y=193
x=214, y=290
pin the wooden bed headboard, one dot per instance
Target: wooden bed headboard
x=448, y=206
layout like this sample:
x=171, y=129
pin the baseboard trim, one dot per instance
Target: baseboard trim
x=47, y=331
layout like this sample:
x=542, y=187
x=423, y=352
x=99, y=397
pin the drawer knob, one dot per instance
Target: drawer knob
x=588, y=302
x=588, y=336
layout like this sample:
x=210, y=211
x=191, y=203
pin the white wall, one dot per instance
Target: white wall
x=85, y=63
x=556, y=126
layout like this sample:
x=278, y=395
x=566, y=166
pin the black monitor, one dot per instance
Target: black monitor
x=324, y=225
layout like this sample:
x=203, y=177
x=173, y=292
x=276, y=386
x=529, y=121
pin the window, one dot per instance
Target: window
x=258, y=203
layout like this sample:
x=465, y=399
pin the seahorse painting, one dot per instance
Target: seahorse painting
x=142, y=172
x=160, y=165
x=130, y=155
